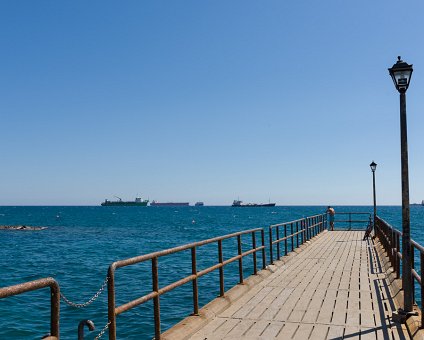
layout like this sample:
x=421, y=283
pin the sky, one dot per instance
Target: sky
x=211, y=101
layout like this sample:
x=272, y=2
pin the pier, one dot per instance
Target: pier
x=307, y=283
x=335, y=287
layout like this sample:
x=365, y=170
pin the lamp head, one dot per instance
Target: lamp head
x=401, y=75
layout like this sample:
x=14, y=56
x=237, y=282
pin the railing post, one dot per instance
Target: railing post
x=285, y=239
x=240, y=259
x=397, y=257
x=297, y=235
x=54, y=309
x=422, y=287
x=302, y=234
x=255, y=268
x=271, y=258
x=221, y=269
x=350, y=221
x=392, y=246
x=111, y=303
x=278, y=243
x=156, y=301
x=263, y=249
x=292, y=238
x=195, y=285
x=412, y=277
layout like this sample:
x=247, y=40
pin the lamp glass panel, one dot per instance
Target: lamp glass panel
x=402, y=78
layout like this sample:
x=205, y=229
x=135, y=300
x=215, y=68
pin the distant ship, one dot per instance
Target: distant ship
x=137, y=202
x=169, y=204
x=237, y=203
x=422, y=203
x=199, y=204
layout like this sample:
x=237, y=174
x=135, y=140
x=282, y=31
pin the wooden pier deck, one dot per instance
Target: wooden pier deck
x=334, y=287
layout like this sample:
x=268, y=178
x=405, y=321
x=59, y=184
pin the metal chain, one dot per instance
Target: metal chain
x=85, y=304
x=102, y=331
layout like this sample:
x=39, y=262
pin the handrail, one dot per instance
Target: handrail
x=35, y=285
x=114, y=311
x=350, y=220
x=306, y=227
x=391, y=240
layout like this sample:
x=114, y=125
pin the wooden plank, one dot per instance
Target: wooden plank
x=331, y=290
x=303, y=332
x=335, y=333
x=288, y=331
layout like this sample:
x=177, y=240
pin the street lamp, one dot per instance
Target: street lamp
x=373, y=167
x=401, y=74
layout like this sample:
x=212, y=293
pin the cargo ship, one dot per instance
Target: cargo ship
x=199, y=204
x=169, y=204
x=138, y=202
x=237, y=203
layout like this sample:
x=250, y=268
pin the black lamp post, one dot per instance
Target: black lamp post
x=401, y=74
x=373, y=167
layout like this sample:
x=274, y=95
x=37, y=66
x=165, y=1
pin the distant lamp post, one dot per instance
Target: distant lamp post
x=401, y=74
x=373, y=167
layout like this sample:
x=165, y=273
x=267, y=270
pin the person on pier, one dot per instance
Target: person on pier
x=331, y=212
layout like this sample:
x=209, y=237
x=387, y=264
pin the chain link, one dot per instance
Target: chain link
x=85, y=304
x=102, y=331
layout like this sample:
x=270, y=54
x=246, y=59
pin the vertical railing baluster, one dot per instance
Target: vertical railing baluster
x=240, y=259
x=278, y=243
x=297, y=234
x=285, y=239
x=392, y=246
x=255, y=268
x=397, y=257
x=302, y=228
x=195, y=283
x=156, y=303
x=263, y=249
x=111, y=303
x=292, y=237
x=271, y=258
x=221, y=269
x=422, y=287
x=413, y=267
x=308, y=236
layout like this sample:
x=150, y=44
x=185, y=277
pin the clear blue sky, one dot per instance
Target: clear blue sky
x=207, y=100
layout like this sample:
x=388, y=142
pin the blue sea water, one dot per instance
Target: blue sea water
x=81, y=242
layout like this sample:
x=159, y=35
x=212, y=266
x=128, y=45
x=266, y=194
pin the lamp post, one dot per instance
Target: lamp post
x=401, y=74
x=373, y=167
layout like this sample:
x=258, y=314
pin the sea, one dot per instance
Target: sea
x=80, y=243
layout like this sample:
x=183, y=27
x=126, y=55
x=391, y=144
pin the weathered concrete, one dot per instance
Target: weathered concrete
x=334, y=287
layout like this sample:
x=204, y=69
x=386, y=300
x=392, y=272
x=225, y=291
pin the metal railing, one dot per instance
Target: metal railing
x=391, y=240
x=54, y=298
x=351, y=219
x=303, y=229
x=114, y=311
x=293, y=234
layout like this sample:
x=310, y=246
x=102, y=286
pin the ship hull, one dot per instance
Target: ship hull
x=253, y=205
x=124, y=204
x=169, y=204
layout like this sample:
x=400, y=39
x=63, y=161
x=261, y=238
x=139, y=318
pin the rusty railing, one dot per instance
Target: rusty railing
x=391, y=239
x=303, y=229
x=54, y=298
x=114, y=311
x=350, y=218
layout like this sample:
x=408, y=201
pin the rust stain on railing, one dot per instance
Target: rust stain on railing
x=306, y=228
x=54, y=298
x=114, y=311
x=295, y=233
x=391, y=240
